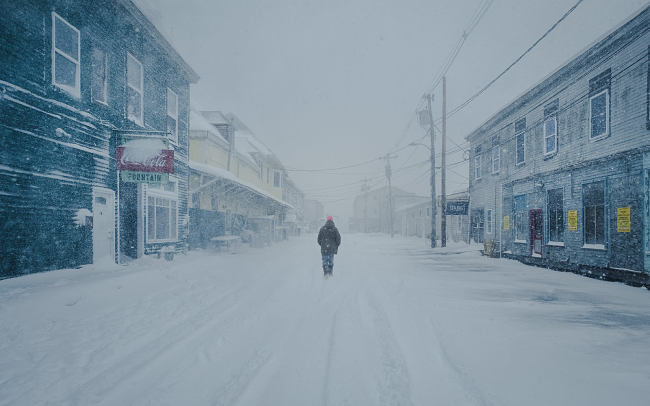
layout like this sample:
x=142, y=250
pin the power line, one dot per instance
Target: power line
x=484, y=88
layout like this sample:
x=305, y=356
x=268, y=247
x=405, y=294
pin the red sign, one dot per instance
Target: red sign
x=134, y=160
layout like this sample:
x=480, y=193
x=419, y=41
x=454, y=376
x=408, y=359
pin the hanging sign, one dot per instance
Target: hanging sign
x=144, y=177
x=506, y=223
x=573, y=220
x=457, y=208
x=145, y=155
x=623, y=223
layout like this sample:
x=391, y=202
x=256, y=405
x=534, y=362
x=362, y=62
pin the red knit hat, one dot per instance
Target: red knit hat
x=329, y=218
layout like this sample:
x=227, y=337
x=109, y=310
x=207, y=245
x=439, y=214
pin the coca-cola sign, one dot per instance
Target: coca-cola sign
x=132, y=158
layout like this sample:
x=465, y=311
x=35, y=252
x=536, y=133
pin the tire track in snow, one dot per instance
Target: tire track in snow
x=394, y=388
x=237, y=384
x=331, y=345
x=470, y=390
x=136, y=360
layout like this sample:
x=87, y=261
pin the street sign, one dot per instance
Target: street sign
x=144, y=177
x=457, y=207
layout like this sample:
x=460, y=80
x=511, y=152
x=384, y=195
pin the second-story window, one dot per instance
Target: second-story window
x=172, y=115
x=66, y=50
x=135, y=91
x=99, y=85
x=496, y=159
x=599, y=105
x=477, y=166
x=550, y=128
x=520, y=141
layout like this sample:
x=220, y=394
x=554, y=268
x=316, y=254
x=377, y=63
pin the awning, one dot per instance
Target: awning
x=226, y=175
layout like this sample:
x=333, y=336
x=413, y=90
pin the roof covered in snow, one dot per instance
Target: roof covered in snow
x=199, y=123
x=224, y=174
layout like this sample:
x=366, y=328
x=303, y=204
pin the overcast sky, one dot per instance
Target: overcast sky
x=334, y=83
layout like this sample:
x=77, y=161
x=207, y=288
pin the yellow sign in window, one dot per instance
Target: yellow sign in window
x=573, y=220
x=506, y=222
x=623, y=223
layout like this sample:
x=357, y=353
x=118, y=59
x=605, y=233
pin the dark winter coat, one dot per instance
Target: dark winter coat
x=329, y=238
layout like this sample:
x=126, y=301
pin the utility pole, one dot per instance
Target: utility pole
x=443, y=177
x=364, y=190
x=387, y=157
x=433, y=176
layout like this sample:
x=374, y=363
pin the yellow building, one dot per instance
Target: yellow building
x=235, y=180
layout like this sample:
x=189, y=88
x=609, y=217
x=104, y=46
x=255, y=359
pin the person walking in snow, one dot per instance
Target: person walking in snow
x=329, y=240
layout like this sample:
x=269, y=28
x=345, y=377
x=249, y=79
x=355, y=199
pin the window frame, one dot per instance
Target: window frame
x=595, y=244
x=76, y=90
x=173, y=139
x=521, y=132
x=551, y=205
x=157, y=193
x=496, y=152
x=137, y=120
x=607, y=106
x=547, y=136
x=520, y=217
x=477, y=166
x=105, y=81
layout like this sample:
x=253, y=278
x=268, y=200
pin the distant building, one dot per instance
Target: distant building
x=560, y=176
x=77, y=81
x=371, y=210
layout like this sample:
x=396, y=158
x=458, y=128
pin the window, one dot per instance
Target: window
x=477, y=167
x=555, y=207
x=135, y=89
x=489, y=221
x=99, y=85
x=428, y=211
x=550, y=135
x=550, y=128
x=66, y=54
x=599, y=105
x=276, y=179
x=268, y=175
x=593, y=201
x=496, y=159
x=521, y=219
x=172, y=115
x=162, y=213
x=598, y=115
x=520, y=141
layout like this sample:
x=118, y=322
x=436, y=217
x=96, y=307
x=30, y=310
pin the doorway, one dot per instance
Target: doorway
x=536, y=225
x=103, y=225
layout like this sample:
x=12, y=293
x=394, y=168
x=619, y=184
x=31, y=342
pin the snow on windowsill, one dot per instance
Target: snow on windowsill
x=594, y=247
x=521, y=242
x=555, y=243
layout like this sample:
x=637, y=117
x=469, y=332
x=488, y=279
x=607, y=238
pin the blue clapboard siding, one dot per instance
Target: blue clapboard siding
x=54, y=148
x=616, y=159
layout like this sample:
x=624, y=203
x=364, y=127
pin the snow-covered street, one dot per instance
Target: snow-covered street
x=398, y=324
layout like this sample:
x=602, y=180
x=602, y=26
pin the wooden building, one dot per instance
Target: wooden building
x=560, y=176
x=78, y=80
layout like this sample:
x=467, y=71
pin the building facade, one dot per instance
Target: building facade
x=560, y=176
x=77, y=81
x=236, y=183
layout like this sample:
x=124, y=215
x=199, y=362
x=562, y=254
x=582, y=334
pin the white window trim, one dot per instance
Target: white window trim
x=137, y=120
x=477, y=167
x=546, y=136
x=175, y=139
x=105, y=101
x=496, y=151
x=166, y=195
x=73, y=91
x=606, y=134
x=523, y=161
